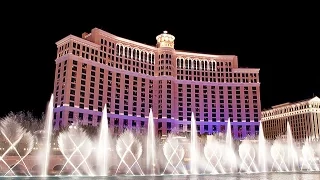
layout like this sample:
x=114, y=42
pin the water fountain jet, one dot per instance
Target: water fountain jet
x=151, y=146
x=230, y=148
x=217, y=156
x=193, y=146
x=292, y=154
x=262, y=149
x=103, y=148
x=48, y=133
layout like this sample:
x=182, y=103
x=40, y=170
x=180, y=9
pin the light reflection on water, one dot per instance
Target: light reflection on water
x=260, y=176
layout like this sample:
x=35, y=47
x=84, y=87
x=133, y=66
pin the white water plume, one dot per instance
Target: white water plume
x=247, y=154
x=279, y=156
x=76, y=147
x=213, y=152
x=19, y=142
x=214, y=155
x=129, y=149
x=174, y=154
x=309, y=158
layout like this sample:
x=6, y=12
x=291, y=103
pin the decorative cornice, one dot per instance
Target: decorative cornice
x=129, y=42
x=78, y=40
x=144, y=47
x=177, y=52
x=301, y=111
x=291, y=105
x=203, y=56
x=245, y=70
x=196, y=59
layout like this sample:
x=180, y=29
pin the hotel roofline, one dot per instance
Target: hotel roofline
x=288, y=104
x=84, y=40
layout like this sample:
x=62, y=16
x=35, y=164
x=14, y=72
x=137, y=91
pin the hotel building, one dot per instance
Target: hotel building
x=303, y=117
x=130, y=78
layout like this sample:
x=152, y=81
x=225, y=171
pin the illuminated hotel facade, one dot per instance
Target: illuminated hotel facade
x=131, y=77
x=303, y=117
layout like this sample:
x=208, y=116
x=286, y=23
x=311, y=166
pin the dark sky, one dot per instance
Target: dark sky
x=282, y=42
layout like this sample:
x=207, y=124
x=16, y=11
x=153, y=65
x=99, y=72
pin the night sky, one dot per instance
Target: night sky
x=283, y=44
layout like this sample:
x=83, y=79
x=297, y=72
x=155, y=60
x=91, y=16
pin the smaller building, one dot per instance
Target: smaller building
x=303, y=117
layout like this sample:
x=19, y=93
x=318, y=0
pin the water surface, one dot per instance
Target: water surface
x=259, y=176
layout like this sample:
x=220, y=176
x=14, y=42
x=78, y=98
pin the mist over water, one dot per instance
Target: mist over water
x=73, y=152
